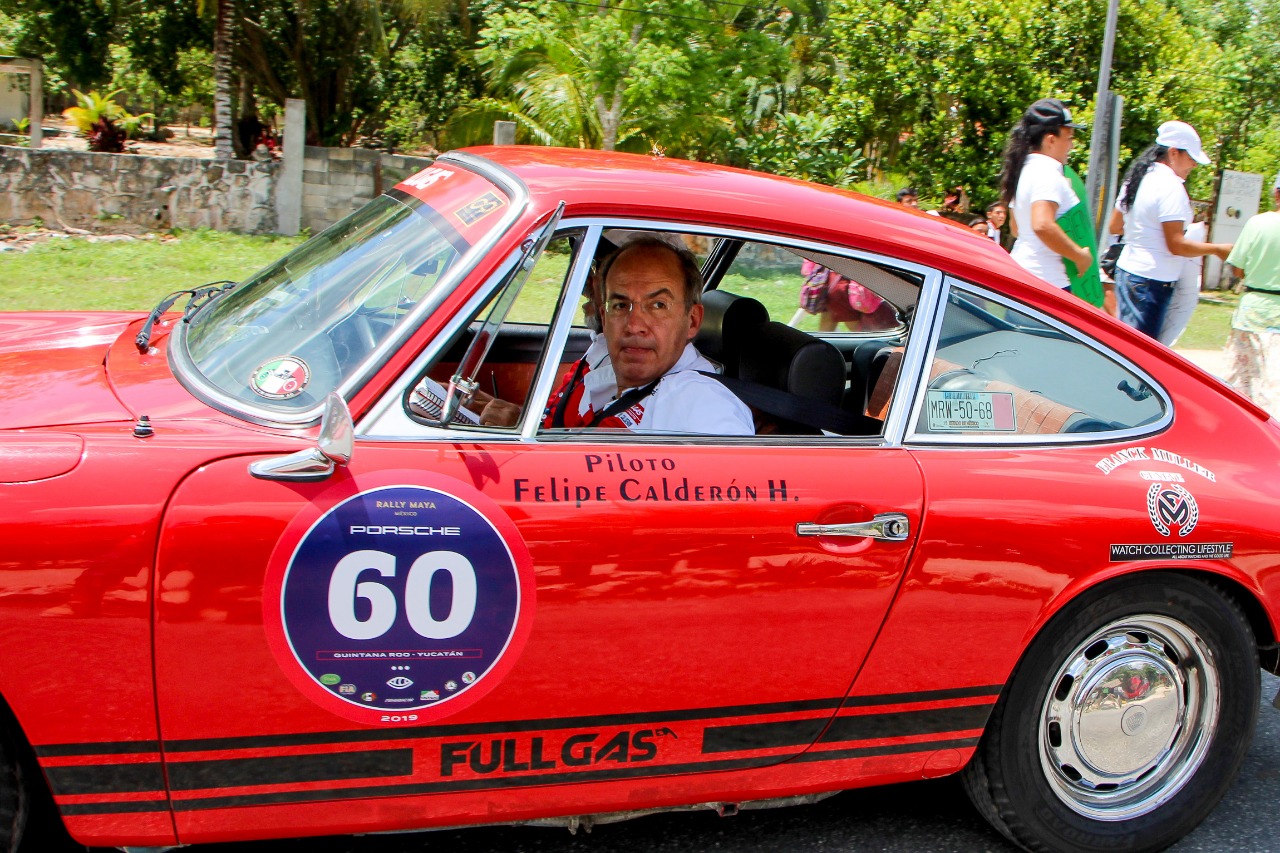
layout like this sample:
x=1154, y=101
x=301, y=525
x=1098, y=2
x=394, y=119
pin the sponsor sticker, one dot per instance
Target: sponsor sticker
x=360, y=607
x=474, y=211
x=280, y=378
x=1171, y=551
x=1171, y=505
x=427, y=177
x=970, y=411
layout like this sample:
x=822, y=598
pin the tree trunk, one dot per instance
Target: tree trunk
x=222, y=146
x=611, y=114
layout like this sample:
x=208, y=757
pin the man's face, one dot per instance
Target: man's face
x=646, y=323
x=997, y=216
x=910, y=201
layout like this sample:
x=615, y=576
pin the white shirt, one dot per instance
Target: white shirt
x=599, y=384
x=1042, y=179
x=686, y=401
x=1162, y=197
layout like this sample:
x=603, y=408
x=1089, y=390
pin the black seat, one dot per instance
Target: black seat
x=795, y=362
x=728, y=320
x=865, y=363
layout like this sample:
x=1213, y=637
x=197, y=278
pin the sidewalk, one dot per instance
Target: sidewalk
x=1213, y=361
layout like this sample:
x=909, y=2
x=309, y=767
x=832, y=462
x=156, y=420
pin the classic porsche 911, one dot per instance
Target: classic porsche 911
x=266, y=573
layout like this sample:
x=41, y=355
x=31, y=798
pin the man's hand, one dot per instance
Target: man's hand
x=500, y=413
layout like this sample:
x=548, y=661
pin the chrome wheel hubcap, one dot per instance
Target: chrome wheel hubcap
x=1129, y=717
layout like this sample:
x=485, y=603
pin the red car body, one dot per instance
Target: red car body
x=672, y=639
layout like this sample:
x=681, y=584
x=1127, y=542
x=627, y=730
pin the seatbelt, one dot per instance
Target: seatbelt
x=801, y=410
x=626, y=401
x=557, y=414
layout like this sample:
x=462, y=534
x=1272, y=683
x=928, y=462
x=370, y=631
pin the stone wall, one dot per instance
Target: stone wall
x=339, y=181
x=115, y=192
x=111, y=192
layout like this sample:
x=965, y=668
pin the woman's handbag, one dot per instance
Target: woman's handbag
x=1108, y=260
x=814, y=291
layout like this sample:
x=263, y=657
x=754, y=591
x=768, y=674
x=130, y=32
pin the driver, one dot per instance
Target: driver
x=652, y=312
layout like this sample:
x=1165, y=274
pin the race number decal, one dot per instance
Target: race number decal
x=402, y=603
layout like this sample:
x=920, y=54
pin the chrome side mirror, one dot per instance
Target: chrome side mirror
x=333, y=448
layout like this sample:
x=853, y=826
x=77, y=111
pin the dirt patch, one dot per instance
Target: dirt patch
x=21, y=238
x=186, y=141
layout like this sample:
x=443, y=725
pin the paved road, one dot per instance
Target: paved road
x=926, y=816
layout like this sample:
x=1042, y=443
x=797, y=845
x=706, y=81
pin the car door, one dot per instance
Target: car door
x=458, y=610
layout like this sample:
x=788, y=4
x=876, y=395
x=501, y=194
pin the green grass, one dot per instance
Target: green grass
x=1211, y=322
x=74, y=274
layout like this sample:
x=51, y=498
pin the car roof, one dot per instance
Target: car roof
x=649, y=187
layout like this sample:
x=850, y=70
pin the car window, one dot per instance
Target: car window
x=324, y=313
x=999, y=371
x=509, y=368
x=812, y=295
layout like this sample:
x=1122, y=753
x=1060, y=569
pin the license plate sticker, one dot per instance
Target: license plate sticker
x=970, y=411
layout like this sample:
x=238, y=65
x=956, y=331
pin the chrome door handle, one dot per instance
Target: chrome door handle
x=889, y=526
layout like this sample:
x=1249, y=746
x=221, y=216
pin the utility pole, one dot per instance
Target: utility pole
x=1100, y=145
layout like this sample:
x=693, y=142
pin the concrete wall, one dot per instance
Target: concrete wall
x=338, y=181
x=114, y=192
x=13, y=99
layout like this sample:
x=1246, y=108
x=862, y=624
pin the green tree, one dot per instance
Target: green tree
x=933, y=86
x=626, y=74
x=71, y=36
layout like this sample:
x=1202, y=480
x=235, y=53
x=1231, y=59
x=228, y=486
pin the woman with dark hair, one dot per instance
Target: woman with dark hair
x=1153, y=211
x=1035, y=189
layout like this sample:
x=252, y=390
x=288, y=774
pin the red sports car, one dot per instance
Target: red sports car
x=266, y=573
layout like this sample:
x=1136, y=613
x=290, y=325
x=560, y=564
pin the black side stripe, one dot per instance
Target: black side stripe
x=284, y=769
x=61, y=750
x=229, y=773
x=992, y=690
x=907, y=724
x=106, y=779
x=892, y=749
x=465, y=729
x=842, y=729
x=125, y=807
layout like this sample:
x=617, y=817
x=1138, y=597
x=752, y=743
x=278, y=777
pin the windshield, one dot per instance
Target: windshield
x=288, y=336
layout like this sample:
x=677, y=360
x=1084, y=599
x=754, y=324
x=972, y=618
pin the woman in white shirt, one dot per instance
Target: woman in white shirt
x=1153, y=210
x=1035, y=189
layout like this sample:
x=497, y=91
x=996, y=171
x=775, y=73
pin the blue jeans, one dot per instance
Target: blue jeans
x=1142, y=301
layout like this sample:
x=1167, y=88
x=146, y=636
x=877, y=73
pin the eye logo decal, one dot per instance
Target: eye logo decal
x=1169, y=505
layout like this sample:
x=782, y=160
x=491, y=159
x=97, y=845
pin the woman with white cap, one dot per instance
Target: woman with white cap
x=1034, y=187
x=1153, y=210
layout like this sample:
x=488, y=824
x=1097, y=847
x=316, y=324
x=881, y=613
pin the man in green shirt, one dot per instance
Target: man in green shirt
x=1253, y=348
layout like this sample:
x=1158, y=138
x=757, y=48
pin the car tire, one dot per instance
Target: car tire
x=1125, y=722
x=13, y=796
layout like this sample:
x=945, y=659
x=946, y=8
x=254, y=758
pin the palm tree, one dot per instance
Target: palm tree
x=563, y=83
x=222, y=147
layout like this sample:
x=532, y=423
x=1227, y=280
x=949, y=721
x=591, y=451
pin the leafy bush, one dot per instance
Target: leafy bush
x=104, y=121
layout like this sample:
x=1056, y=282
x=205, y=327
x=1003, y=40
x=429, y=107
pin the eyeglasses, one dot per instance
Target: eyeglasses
x=655, y=309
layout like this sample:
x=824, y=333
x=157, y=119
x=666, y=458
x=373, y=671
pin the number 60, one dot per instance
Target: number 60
x=345, y=587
